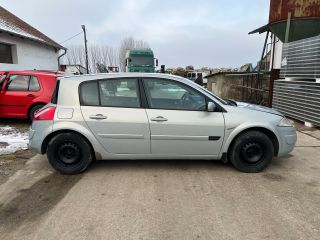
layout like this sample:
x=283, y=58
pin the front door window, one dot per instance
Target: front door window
x=166, y=94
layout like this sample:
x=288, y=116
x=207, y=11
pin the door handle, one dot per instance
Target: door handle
x=159, y=119
x=30, y=95
x=98, y=117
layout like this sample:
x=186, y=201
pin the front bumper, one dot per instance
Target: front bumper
x=287, y=141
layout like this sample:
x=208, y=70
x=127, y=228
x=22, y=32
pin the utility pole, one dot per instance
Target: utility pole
x=85, y=46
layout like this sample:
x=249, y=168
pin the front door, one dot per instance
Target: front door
x=113, y=112
x=179, y=121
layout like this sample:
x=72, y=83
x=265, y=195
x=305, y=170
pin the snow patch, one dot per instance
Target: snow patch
x=12, y=140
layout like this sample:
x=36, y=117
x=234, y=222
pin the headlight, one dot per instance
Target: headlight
x=285, y=123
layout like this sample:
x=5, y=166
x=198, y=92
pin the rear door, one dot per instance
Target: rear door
x=18, y=94
x=112, y=110
x=180, y=124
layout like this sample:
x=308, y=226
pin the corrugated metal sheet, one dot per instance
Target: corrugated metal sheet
x=301, y=59
x=299, y=8
x=298, y=99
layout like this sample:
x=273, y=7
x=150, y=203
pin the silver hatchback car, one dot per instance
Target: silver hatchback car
x=154, y=116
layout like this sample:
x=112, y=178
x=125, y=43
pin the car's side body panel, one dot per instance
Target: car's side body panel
x=123, y=131
x=186, y=132
x=129, y=133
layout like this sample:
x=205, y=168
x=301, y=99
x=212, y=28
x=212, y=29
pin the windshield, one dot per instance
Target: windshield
x=141, y=60
x=211, y=94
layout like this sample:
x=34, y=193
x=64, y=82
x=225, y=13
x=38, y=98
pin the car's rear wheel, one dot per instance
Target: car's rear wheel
x=252, y=151
x=33, y=110
x=69, y=153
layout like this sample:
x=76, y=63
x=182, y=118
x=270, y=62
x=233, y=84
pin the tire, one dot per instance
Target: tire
x=69, y=153
x=251, y=152
x=33, y=110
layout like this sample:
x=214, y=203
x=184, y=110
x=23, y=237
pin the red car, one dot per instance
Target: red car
x=22, y=93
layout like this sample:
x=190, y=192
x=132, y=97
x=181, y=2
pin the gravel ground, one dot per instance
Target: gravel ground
x=166, y=200
x=11, y=163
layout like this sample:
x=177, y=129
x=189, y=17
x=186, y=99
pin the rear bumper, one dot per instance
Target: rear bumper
x=38, y=131
x=288, y=139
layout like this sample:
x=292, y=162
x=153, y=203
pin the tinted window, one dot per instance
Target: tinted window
x=166, y=94
x=5, y=53
x=34, y=84
x=18, y=83
x=119, y=93
x=89, y=94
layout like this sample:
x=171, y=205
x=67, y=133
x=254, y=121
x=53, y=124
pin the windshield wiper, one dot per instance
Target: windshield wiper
x=231, y=102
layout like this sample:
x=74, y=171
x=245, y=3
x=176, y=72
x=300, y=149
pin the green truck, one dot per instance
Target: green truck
x=141, y=60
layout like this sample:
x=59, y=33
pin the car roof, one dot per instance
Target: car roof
x=37, y=72
x=88, y=77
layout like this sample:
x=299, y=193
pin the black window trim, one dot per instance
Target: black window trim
x=144, y=104
x=207, y=99
x=55, y=95
x=25, y=75
x=99, y=98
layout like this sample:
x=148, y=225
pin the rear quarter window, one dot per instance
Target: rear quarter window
x=34, y=84
x=89, y=94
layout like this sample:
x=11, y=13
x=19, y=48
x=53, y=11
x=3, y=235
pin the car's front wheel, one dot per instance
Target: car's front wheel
x=251, y=151
x=69, y=153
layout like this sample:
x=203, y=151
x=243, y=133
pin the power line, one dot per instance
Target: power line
x=71, y=37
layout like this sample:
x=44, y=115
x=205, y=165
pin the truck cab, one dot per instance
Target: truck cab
x=140, y=60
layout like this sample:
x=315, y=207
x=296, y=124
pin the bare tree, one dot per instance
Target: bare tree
x=127, y=44
x=101, y=55
x=75, y=55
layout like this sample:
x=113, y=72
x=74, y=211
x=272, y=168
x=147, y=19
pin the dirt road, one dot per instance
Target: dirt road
x=166, y=200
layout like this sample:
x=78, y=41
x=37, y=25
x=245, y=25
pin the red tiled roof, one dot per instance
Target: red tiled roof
x=12, y=24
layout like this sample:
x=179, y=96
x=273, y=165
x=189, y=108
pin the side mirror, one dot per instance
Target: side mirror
x=211, y=107
x=157, y=62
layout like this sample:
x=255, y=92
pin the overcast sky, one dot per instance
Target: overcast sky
x=211, y=33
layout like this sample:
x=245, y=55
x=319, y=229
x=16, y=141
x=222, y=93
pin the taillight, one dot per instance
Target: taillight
x=45, y=114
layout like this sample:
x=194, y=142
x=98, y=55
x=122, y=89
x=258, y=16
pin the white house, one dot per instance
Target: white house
x=23, y=47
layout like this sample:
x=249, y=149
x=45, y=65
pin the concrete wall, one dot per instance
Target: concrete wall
x=29, y=55
x=224, y=86
x=230, y=86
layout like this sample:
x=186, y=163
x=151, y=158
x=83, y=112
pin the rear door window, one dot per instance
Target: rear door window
x=18, y=83
x=110, y=93
x=119, y=93
x=23, y=83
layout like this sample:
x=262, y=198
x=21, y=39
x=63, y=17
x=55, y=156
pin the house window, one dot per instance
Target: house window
x=5, y=53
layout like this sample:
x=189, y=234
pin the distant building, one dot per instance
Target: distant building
x=23, y=47
x=75, y=69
